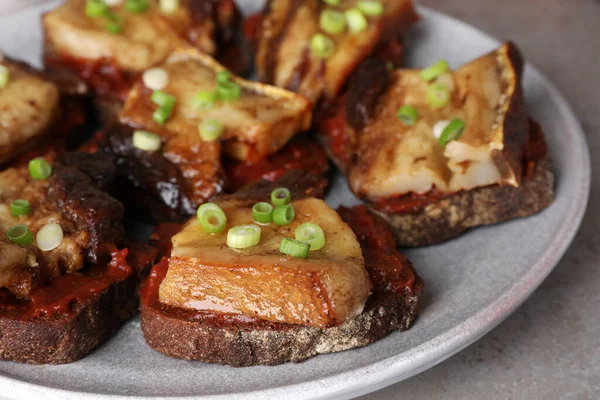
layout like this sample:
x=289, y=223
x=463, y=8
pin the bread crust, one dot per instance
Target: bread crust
x=240, y=345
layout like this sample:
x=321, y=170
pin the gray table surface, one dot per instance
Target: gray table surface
x=550, y=347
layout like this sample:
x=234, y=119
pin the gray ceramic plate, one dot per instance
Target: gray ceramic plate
x=472, y=283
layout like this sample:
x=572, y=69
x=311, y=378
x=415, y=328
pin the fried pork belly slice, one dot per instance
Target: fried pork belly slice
x=395, y=159
x=284, y=58
x=259, y=123
x=29, y=104
x=325, y=289
x=90, y=219
x=146, y=38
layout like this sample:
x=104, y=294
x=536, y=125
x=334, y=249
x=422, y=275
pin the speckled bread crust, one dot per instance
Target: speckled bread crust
x=242, y=345
x=69, y=336
x=451, y=216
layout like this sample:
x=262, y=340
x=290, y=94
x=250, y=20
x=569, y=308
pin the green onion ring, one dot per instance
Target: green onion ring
x=20, y=234
x=332, y=22
x=453, y=131
x=355, y=20
x=262, y=212
x=223, y=77
x=283, y=215
x=294, y=248
x=281, y=196
x=210, y=129
x=20, y=207
x=408, y=115
x=146, y=141
x=311, y=234
x=95, y=8
x=243, y=236
x=434, y=70
x=39, y=169
x=211, y=217
x=371, y=8
x=205, y=99
x=438, y=95
x=321, y=46
x=163, y=99
x=137, y=6
x=228, y=91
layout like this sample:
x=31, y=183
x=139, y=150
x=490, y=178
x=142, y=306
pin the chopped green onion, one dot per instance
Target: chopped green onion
x=453, y=131
x=371, y=8
x=408, y=115
x=228, y=91
x=223, y=77
x=162, y=115
x=283, y=215
x=137, y=6
x=281, y=196
x=262, y=212
x=438, y=95
x=4, y=76
x=163, y=99
x=243, y=236
x=49, y=237
x=20, y=235
x=311, y=234
x=334, y=3
x=155, y=78
x=146, y=141
x=210, y=129
x=356, y=20
x=294, y=248
x=114, y=23
x=434, y=70
x=169, y=6
x=321, y=46
x=39, y=169
x=205, y=100
x=211, y=218
x=95, y=8
x=332, y=22
x=20, y=207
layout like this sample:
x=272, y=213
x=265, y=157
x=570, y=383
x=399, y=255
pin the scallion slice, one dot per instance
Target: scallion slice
x=205, y=99
x=283, y=215
x=262, y=212
x=434, y=70
x=311, y=234
x=438, y=95
x=20, y=234
x=114, y=23
x=228, y=91
x=162, y=115
x=356, y=20
x=95, y=8
x=4, y=76
x=137, y=6
x=321, y=46
x=155, y=78
x=146, y=141
x=211, y=218
x=371, y=8
x=210, y=129
x=453, y=131
x=20, y=207
x=334, y=3
x=294, y=248
x=39, y=169
x=243, y=236
x=332, y=22
x=408, y=115
x=281, y=196
x=163, y=99
x=49, y=237
x=169, y=6
x=223, y=77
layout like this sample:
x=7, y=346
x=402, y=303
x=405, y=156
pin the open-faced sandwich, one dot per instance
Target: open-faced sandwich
x=436, y=151
x=36, y=108
x=176, y=132
x=312, y=46
x=66, y=282
x=110, y=43
x=272, y=274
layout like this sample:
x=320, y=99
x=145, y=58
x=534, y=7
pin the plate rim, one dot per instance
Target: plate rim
x=380, y=374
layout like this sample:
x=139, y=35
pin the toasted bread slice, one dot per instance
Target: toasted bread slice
x=30, y=105
x=259, y=123
x=237, y=340
x=284, y=58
